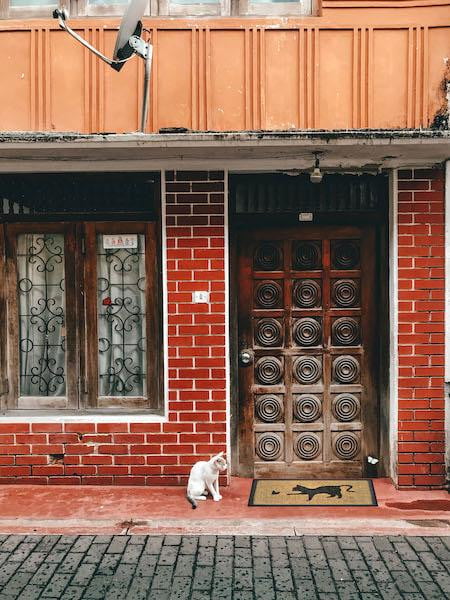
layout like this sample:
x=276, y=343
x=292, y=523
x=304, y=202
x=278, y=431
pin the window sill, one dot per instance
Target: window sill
x=15, y=417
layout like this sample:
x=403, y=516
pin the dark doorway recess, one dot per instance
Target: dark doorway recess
x=24, y=196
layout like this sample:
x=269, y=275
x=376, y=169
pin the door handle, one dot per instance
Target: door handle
x=246, y=357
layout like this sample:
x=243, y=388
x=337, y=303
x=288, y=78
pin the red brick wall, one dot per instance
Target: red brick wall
x=150, y=453
x=421, y=248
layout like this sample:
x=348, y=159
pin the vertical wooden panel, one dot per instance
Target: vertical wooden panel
x=15, y=105
x=335, y=100
x=67, y=81
x=282, y=79
x=438, y=68
x=174, y=79
x=227, y=80
x=121, y=92
x=390, y=78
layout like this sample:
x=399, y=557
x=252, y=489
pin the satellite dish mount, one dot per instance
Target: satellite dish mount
x=128, y=44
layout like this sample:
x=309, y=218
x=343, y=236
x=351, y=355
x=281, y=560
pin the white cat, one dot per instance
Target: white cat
x=204, y=478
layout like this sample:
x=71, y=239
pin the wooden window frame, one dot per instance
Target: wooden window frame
x=80, y=258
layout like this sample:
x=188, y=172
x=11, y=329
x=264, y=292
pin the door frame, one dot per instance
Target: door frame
x=238, y=224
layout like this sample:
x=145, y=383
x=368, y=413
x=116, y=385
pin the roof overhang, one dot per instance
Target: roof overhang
x=346, y=150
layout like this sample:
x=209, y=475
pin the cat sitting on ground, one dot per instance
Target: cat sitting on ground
x=204, y=478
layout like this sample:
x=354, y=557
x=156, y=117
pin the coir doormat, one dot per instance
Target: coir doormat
x=312, y=492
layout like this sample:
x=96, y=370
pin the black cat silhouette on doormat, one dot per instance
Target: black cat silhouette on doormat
x=333, y=491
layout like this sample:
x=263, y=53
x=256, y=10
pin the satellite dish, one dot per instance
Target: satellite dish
x=128, y=43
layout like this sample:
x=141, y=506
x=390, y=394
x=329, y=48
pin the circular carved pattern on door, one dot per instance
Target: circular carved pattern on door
x=345, y=332
x=345, y=255
x=345, y=407
x=307, y=332
x=346, y=369
x=345, y=293
x=269, y=408
x=268, y=446
x=268, y=332
x=307, y=256
x=268, y=294
x=307, y=369
x=346, y=445
x=307, y=293
x=308, y=446
x=268, y=257
x=268, y=370
x=307, y=408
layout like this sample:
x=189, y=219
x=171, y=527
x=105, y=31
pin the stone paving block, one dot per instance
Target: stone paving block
x=31, y=592
x=3, y=557
x=189, y=545
x=222, y=587
x=158, y=595
x=347, y=589
x=56, y=556
x=223, y=567
x=443, y=580
x=242, y=541
x=47, y=543
x=16, y=583
x=340, y=570
x=404, y=582
x=33, y=561
x=417, y=571
x=181, y=587
x=153, y=545
x=317, y=558
x=95, y=553
x=301, y=568
x=418, y=544
x=405, y=551
x=202, y=578
x=117, y=544
x=379, y=570
x=132, y=553
x=171, y=540
x=108, y=564
x=22, y=551
x=313, y=542
x=243, y=595
x=146, y=565
x=364, y=581
x=185, y=565
x=11, y=543
x=243, y=557
x=224, y=546
x=200, y=595
x=70, y=562
x=430, y=590
x=295, y=547
x=264, y=589
x=368, y=549
x=381, y=542
x=162, y=577
x=283, y=580
x=262, y=567
x=332, y=549
x=56, y=586
x=347, y=543
x=260, y=546
x=438, y=549
x=430, y=561
x=354, y=560
x=207, y=540
x=306, y=590
x=140, y=586
x=82, y=543
x=242, y=578
x=392, y=561
x=323, y=580
x=389, y=591
x=43, y=574
x=205, y=556
x=84, y=574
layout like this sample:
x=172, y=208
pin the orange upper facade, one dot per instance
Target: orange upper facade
x=356, y=64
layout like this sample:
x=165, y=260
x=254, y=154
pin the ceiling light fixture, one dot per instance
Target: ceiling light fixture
x=316, y=174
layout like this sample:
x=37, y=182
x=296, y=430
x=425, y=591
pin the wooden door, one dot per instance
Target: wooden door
x=308, y=403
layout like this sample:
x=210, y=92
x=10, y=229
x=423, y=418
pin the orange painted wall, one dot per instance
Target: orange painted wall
x=361, y=64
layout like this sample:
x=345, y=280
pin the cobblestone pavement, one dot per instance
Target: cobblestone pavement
x=207, y=567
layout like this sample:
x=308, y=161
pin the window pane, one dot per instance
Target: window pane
x=107, y=2
x=275, y=1
x=121, y=314
x=40, y=267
